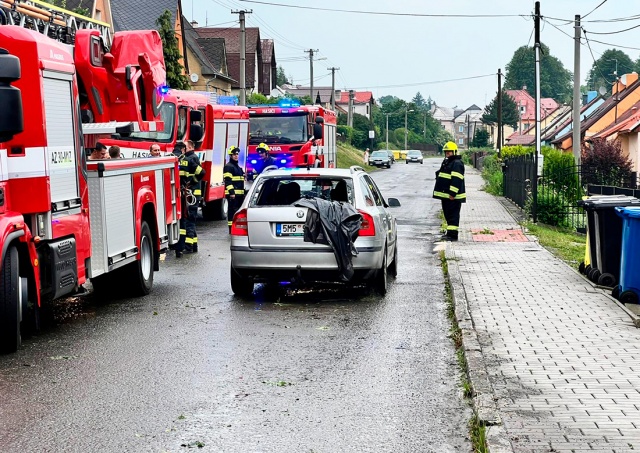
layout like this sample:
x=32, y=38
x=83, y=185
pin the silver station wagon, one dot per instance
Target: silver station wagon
x=267, y=234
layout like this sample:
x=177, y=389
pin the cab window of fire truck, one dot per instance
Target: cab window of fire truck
x=203, y=122
x=167, y=116
x=182, y=123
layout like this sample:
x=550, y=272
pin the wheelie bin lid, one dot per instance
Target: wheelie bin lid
x=630, y=212
x=608, y=201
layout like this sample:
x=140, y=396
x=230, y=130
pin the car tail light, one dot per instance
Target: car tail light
x=368, y=227
x=239, y=226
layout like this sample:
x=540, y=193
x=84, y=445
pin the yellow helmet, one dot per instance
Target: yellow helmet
x=450, y=146
x=263, y=146
x=233, y=150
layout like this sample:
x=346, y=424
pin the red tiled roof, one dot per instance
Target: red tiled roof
x=520, y=139
x=626, y=122
x=361, y=97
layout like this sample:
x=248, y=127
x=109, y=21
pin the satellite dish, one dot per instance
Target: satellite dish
x=602, y=91
x=194, y=77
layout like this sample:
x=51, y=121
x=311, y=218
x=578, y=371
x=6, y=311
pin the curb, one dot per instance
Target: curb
x=484, y=399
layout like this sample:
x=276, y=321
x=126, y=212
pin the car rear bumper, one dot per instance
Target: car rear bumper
x=286, y=264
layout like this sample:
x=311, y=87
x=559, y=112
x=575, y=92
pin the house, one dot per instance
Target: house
x=362, y=102
x=466, y=122
x=300, y=91
x=269, y=67
x=625, y=95
x=207, y=62
x=627, y=130
x=563, y=123
x=527, y=108
x=445, y=116
x=528, y=136
x=253, y=53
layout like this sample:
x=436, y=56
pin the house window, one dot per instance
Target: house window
x=460, y=128
x=523, y=108
x=98, y=15
x=461, y=141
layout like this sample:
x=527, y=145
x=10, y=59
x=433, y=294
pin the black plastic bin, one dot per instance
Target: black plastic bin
x=605, y=236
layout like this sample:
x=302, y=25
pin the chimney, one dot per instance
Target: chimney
x=194, y=24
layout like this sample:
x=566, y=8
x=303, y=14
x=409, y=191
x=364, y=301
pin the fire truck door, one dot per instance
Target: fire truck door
x=243, y=145
x=219, y=153
x=61, y=150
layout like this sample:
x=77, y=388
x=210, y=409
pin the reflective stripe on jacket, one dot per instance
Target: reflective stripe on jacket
x=191, y=173
x=450, y=180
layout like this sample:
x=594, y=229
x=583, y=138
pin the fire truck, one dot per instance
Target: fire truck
x=297, y=135
x=189, y=115
x=64, y=220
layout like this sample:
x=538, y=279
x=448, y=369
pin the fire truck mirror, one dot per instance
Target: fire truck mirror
x=196, y=132
x=11, y=119
x=195, y=116
x=317, y=131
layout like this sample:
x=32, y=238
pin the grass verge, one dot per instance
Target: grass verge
x=565, y=244
x=477, y=430
x=348, y=156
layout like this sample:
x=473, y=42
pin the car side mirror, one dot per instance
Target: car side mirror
x=11, y=118
x=393, y=202
x=317, y=131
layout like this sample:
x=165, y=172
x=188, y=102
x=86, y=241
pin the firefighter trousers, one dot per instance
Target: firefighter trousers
x=191, y=239
x=232, y=207
x=451, y=210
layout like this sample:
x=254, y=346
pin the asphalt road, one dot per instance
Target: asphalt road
x=312, y=371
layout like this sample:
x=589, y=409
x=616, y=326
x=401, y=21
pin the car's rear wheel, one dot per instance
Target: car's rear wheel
x=380, y=282
x=242, y=287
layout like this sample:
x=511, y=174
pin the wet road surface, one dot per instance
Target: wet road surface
x=191, y=365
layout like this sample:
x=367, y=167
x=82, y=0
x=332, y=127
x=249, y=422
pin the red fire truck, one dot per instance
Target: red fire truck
x=189, y=115
x=64, y=220
x=298, y=135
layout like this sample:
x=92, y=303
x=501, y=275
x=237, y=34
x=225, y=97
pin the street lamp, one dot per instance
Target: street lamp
x=406, y=131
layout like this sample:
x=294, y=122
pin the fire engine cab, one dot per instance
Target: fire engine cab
x=64, y=220
x=195, y=116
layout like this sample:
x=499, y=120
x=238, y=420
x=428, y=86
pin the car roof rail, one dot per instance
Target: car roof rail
x=269, y=168
x=355, y=168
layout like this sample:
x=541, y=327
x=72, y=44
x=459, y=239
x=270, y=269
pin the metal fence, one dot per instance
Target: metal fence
x=560, y=188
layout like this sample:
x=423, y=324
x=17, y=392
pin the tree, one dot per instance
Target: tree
x=175, y=77
x=604, y=164
x=510, y=114
x=419, y=101
x=281, y=77
x=480, y=138
x=555, y=80
x=604, y=69
x=387, y=99
x=63, y=4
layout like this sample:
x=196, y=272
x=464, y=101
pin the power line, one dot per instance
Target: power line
x=615, y=45
x=382, y=13
x=599, y=5
x=595, y=63
x=614, y=32
x=617, y=19
x=424, y=83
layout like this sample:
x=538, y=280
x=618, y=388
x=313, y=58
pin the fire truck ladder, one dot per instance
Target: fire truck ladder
x=53, y=21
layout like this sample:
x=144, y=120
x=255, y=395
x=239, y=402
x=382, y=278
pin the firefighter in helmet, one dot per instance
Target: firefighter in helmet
x=233, y=183
x=191, y=176
x=449, y=188
x=265, y=159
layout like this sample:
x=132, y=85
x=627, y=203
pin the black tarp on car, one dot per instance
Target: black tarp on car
x=335, y=224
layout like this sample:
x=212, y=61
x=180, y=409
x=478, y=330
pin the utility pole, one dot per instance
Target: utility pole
x=499, y=146
x=243, y=56
x=333, y=87
x=576, y=94
x=310, y=52
x=534, y=210
x=352, y=95
x=468, y=133
x=387, y=114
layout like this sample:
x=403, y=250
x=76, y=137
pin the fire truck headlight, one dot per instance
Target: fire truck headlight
x=41, y=228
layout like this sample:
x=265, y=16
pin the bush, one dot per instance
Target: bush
x=492, y=174
x=551, y=208
x=346, y=132
x=603, y=163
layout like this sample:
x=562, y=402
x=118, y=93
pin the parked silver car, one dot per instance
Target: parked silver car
x=267, y=243
x=414, y=155
x=380, y=158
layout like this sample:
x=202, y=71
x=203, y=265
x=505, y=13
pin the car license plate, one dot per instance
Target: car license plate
x=289, y=229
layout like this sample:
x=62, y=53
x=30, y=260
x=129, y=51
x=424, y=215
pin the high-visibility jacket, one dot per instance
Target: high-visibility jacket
x=191, y=173
x=233, y=178
x=450, y=180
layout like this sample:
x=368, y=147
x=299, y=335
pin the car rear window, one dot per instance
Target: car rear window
x=283, y=191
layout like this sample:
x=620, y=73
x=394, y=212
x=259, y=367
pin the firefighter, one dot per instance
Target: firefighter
x=265, y=159
x=449, y=189
x=233, y=183
x=179, y=151
x=191, y=175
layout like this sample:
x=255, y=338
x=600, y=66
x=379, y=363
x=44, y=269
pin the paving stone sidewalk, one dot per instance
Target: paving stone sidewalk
x=555, y=361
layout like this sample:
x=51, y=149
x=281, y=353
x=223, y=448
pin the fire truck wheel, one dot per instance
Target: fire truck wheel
x=142, y=270
x=216, y=210
x=10, y=285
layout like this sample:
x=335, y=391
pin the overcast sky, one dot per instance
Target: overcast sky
x=411, y=52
